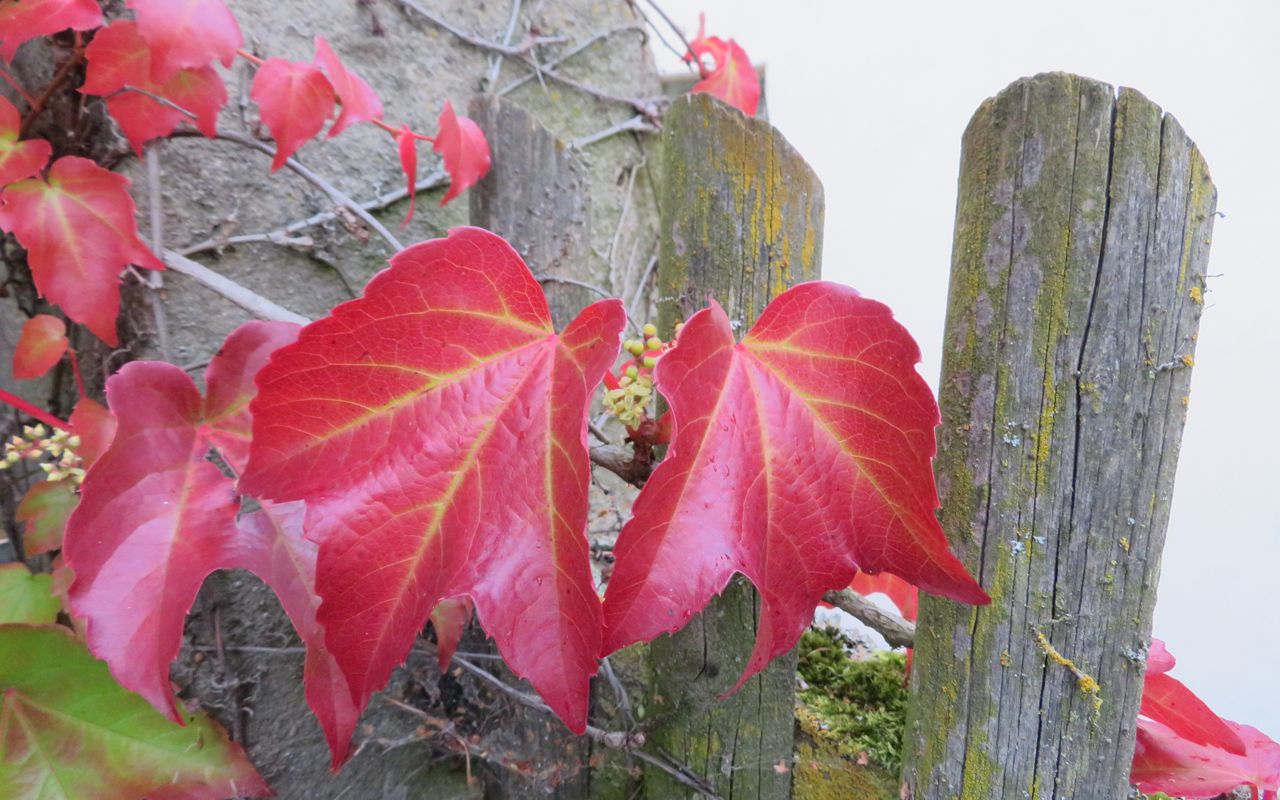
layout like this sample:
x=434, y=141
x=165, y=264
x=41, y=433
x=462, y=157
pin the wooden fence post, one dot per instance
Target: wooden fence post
x=1082, y=235
x=741, y=221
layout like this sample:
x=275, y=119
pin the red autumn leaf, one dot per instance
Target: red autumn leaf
x=1159, y=659
x=359, y=101
x=44, y=511
x=118, y=57
x=24, y=20
x=407, y=145
x=41, y=345
x=449, y=619
x=186, y=34
x=80, y=233
x=733, y=79
x=799, y=456
x=903, y=595
x=461, y=143
x=1163, y=761
x=273, y=548
x=18, y=160
x=96, y=427
x=155, y=517
x=401, y=419
x=230, y=387
x=1168, y=701
x=295, y=99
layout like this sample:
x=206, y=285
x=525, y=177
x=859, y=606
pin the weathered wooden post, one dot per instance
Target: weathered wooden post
x=1082, y=235
x=741, y=221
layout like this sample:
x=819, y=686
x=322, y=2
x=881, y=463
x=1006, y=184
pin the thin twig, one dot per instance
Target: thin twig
x=570, y=53
x=436, y=179
x=495, y=65
x=622, y=461
x=242, y=296
x=517, y=51
x=444, y=726
x=688, y=48
x=154, y=279
x=643, y=284
x=619, y=691
x=897, y=631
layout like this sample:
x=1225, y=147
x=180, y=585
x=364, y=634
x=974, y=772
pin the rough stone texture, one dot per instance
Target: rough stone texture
x=742, y=220
x=216, y=189
x=1082, y=236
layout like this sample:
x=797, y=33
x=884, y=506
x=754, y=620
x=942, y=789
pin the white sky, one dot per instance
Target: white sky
x=876, y=95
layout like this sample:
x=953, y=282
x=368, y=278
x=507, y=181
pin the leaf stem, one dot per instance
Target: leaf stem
x=17, y=87
x=32, y=411
x=75, y=370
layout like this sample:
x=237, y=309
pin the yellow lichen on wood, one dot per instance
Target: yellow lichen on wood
x=1086, y=681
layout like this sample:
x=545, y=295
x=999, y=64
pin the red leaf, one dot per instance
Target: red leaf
x=96, y=427
x=24, y=20
x=733, y=79
x=401, y=419
x=1168, y=701
x=186, y=34
x=359, y=101
x=903, y=595
x=154, y=519
x=408, y=146
x=295, y=98
x=450, y=620
x=118, y=57
x=272, y=547
x=18, y=160
x=41, y=345
x=798, y=457
x=461, y=143
x=44, y=511
x=230, y=387
x=80, y=232
x=1159, y=659
x=1163, y=761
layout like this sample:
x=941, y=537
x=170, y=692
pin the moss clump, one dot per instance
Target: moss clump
x=861, y=706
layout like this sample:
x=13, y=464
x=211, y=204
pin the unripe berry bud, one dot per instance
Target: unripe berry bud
x=654, y=343
x=632, y=372
x=650, y=362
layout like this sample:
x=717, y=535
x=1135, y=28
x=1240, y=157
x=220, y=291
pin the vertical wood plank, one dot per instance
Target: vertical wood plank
x=741, y=222
x=1082, y=236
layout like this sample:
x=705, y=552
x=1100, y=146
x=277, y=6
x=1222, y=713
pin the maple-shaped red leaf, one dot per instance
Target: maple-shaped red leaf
x=230, y=387
x=903, y=595
x=155, y=517
x=24, y=20
x=360, y=103
x=118, y=57
x=402, y=420
x=295, y=99
x=96, y=427
x=798, y=457
x=407, y=144
x=733, y=79
x=80, y=233
x=186, y=34
x=23, y=159
x=1163, y=761
x=465, y=151
x=449, y=619
x=41, y=345
x=44, y=511
x=273, y=548
x=1168, y=701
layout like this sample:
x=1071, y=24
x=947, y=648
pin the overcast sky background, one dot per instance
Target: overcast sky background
x=876, y=96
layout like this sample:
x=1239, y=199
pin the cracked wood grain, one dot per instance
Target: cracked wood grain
x=1082, y=235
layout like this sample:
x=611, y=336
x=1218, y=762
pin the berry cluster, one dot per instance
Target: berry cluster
x=629, y=393
x=37, y=444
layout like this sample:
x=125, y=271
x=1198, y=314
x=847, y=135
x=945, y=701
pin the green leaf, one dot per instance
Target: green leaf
x=44, y=511
x=25, y=597
x=68, y=731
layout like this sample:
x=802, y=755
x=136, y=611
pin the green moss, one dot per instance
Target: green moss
x=861, y=705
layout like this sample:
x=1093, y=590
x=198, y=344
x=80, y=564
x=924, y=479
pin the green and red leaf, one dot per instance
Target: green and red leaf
x=68, y=730
x=401, y=419
x=80, y=233
x=44, y=512
x=26, y=598
x=449, y=620
x=798, y=457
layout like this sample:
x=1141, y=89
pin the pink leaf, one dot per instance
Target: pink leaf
x=359, y=101
x=408, y=146
x=186, y=34
x=1163, y=761
x=23, y=159
x=295, y=99
x=24, y=20
x=450, y=619
x=461, y=143
x=41, y=345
